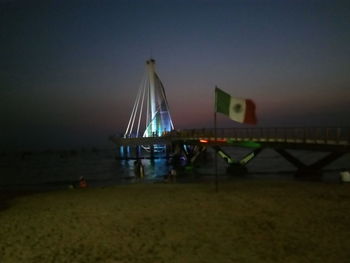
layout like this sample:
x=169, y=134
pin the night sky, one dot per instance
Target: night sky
x=70, y=69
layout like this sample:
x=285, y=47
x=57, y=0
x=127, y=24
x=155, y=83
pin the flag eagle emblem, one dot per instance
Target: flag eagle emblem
x=237, y=109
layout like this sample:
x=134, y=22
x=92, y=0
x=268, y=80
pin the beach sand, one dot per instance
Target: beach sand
x=246, y=221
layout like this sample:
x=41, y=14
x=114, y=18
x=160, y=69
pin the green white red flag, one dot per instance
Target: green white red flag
x=239, y=110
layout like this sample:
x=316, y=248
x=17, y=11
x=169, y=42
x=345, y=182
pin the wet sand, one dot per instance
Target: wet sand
x=247, y=221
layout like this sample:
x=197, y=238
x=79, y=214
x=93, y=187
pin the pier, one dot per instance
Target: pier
x=332, y=140
x=151, y=128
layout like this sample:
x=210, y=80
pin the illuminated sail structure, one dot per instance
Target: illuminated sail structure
x=150, y=116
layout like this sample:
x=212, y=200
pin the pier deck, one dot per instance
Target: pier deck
x=317, y=139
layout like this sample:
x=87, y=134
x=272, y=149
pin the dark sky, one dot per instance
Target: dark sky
x=70, y=69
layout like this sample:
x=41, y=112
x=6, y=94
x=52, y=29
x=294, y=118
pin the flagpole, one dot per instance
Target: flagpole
x=216, y=156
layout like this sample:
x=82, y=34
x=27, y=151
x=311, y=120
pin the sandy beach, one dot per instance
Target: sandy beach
x=246, y=221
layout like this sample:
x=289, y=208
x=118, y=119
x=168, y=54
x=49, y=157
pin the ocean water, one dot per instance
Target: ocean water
x=59, y=169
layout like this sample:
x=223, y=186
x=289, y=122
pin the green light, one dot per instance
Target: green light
x=248, y=144
x=189, y=168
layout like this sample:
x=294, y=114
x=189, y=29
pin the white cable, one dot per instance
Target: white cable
x=141, y=108
x=136, y=110
x=166, y=101
x=132, y=113
x=132, y=116
x=148, y=99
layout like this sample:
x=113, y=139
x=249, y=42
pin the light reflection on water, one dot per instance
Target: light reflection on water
x=52, y=170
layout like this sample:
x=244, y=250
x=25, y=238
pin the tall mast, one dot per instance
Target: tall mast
x=152, y=93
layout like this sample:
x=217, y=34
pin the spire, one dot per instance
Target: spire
x=151, y=106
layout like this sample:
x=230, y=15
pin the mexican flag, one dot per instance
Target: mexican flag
x=239, y=110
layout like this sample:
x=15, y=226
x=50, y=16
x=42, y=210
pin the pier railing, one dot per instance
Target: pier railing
x=307, y=135
x=322, y=138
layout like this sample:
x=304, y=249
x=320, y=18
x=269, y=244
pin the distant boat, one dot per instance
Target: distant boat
x=150, y=116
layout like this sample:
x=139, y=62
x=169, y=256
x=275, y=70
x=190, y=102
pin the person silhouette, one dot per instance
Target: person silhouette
x=82, y=182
